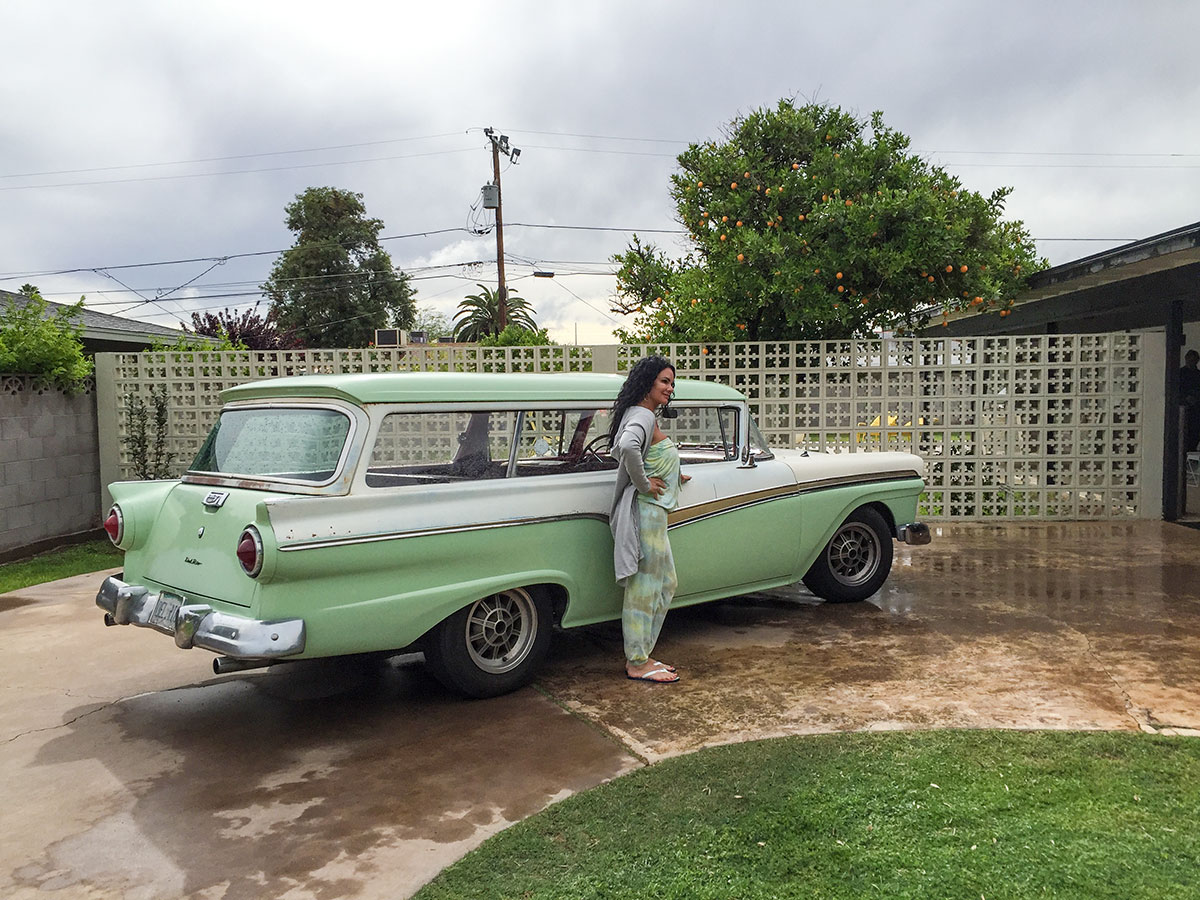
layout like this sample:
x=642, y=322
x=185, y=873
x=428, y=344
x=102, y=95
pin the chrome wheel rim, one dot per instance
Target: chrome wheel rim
x=854, y=554
x=500, y=630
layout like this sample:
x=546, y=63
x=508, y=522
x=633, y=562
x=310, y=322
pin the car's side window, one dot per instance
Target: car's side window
x=440, y=447
x=703, y=433
x=562, y=441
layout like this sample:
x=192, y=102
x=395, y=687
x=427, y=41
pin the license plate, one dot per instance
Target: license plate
x=165, y=609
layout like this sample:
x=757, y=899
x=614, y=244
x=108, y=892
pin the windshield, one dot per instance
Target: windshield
x=287, y=444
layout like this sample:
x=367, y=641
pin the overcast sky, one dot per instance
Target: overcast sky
x=134, y=134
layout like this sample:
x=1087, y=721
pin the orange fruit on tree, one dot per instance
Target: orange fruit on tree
x=962, y=268
x=704, y=215
x=733, y=185
x=800, y=218
x=724, y=218
x=949, y=268
x=739, y=223
x=795, y=166
x=747, y=175
x=838, y=276
x=931, y=278
x=741, y=257
x=699, y=184
x=841, y=288
x=816, y=271
x=722, y=237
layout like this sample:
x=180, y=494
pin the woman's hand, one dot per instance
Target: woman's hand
x=657, y=486
x=684, y=479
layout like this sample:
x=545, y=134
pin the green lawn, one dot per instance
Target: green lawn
x=897, y=815
x=77, y=559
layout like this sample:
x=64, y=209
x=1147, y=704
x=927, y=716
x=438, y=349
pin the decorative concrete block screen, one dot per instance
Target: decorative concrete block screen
x=1009, y=427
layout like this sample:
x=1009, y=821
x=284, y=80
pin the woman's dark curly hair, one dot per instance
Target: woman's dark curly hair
x=637, y=385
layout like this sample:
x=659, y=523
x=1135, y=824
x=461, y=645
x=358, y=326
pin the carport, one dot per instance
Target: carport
x=1151, y=285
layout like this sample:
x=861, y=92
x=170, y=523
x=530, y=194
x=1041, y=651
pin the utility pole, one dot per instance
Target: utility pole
x=500, y=145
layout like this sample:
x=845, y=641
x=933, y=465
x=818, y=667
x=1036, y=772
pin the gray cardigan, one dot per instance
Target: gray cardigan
x=633, y=443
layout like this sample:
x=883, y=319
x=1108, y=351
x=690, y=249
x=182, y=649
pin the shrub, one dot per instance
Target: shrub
x=36, y=341
x=516, y=336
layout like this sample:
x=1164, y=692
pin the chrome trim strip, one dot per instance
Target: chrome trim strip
x=674, y=519
x=429, y=532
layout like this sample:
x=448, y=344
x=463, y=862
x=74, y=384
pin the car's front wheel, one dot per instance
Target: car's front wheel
x=492, y=646
x=856, y=561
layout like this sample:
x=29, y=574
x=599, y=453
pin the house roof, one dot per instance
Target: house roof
x=1128, y=287
x=103, y=331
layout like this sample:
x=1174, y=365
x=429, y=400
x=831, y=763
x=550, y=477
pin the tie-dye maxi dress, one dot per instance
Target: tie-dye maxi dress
x=648, y=591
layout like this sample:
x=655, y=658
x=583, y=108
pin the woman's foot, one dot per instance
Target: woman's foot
x=651, y=670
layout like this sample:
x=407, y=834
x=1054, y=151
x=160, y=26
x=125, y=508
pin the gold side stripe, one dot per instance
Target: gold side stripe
x=691, y=514
x=674, y=519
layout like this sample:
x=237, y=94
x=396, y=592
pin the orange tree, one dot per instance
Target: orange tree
x=805, y=223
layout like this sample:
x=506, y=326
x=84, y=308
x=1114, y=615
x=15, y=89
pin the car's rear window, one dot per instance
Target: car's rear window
x=288, y=444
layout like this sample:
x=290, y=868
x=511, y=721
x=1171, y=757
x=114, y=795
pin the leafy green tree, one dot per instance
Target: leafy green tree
x=435, y=324
x=479, y=315
x=336, y=285
x=806, y=222
x=36, y=341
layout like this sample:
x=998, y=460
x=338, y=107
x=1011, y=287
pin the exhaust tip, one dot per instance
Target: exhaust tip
x=224, y=665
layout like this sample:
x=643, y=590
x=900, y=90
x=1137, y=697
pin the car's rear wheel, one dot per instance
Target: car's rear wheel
x=856, y=561
x=492, y=646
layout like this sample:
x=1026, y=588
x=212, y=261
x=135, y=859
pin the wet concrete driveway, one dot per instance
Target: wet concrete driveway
x=128, y=770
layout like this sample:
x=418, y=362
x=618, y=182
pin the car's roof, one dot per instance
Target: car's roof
x=464, y=387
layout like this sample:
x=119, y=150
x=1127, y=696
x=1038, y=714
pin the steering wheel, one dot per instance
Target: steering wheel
x=591, y=448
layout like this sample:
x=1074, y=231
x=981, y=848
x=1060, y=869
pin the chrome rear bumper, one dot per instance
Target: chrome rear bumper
x=198, y=625
x=913, y=533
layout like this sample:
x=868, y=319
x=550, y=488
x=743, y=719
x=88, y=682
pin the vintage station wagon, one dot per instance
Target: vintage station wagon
x=466, y=515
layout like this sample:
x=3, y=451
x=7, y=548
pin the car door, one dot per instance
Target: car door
x=737, y=525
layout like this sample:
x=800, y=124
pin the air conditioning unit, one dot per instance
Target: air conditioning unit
x=418, y=337
x=390, y=337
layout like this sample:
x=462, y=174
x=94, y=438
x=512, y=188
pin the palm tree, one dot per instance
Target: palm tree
x=480, y=314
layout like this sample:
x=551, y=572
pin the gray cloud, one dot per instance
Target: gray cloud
x=131, y=84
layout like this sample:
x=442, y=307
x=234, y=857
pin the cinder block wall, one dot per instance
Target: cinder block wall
x=49, y=463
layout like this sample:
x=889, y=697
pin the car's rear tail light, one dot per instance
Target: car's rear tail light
x=250, y=551
x=114, y=525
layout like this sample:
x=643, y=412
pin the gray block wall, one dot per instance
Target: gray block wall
x=49, y=463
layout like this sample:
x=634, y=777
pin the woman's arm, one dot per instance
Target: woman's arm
x=631, y=445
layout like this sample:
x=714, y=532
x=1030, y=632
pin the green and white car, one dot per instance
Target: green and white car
x=466, y=515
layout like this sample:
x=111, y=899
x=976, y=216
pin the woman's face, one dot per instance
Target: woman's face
x=662, y=389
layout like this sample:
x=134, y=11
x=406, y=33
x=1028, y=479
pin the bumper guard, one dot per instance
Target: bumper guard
x=198, y=625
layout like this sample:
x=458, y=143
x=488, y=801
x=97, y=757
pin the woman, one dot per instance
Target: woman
x=648, y=483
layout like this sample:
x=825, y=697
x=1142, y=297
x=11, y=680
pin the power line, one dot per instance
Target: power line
x=12, y=276
x=347, y=162
x=206, y=159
